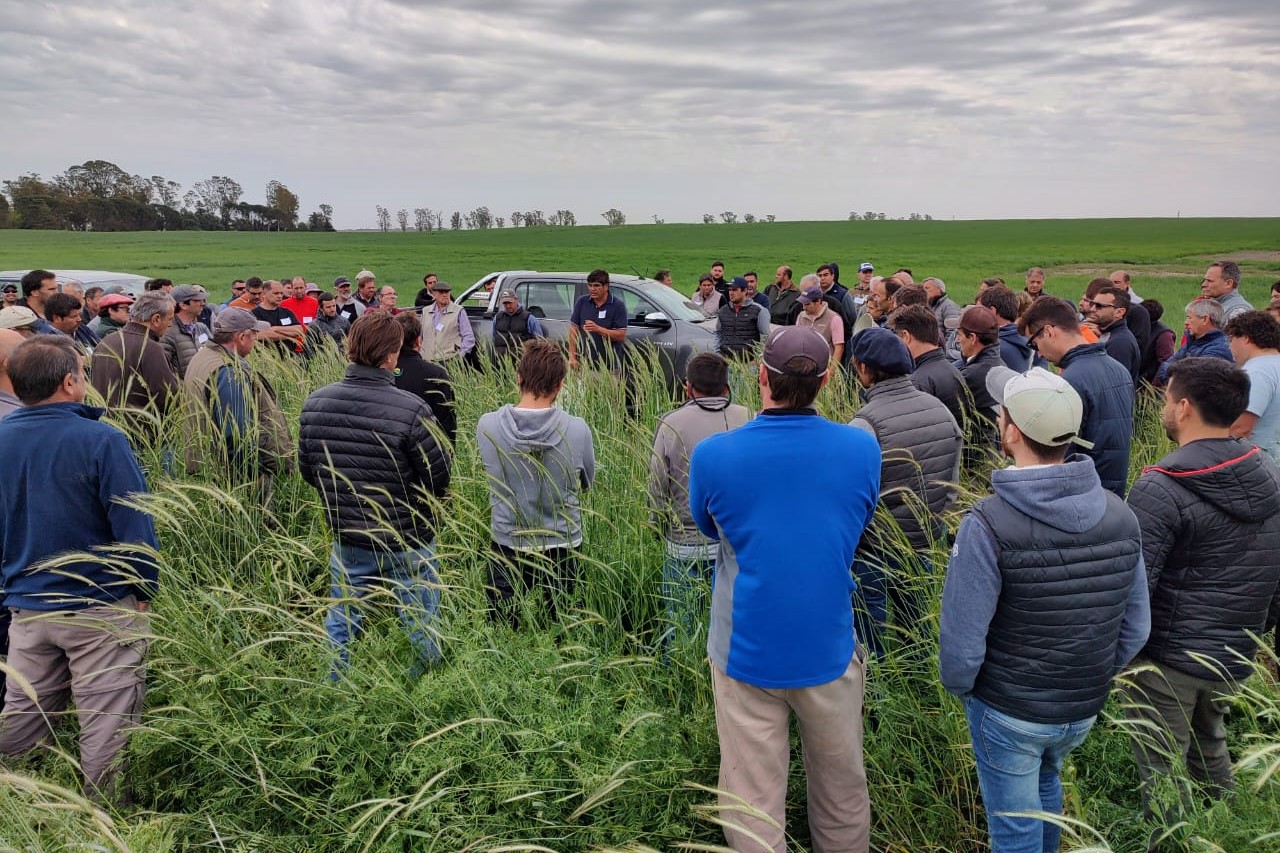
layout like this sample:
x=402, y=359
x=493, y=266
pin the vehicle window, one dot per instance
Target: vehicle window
x=637, y=305
x=552, y=300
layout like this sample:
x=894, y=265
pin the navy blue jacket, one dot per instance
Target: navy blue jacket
x=67, y=501
x=1213, y=344
x=1016, y=352
x=1106, y=389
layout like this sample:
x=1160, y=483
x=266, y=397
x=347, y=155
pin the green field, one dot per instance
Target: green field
x=1167, y=256
x=581, y=735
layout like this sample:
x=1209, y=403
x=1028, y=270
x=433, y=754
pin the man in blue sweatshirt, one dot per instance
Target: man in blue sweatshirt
x=1045, y=601
x=781, y=636
x=78, y=629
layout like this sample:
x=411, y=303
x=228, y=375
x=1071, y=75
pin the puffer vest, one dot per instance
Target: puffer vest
x=739, y=330
x=1051, y=647
x=919, y=444
x=510, y=332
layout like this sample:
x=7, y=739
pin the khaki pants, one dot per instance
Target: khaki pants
x=755, y=748
x=95, y=656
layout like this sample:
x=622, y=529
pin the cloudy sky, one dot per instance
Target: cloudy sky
x=974, y=109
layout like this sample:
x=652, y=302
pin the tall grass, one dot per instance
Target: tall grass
x=572, y=736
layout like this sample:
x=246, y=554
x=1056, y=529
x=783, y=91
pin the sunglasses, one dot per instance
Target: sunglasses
x=1031, y=341
x=1095, y=304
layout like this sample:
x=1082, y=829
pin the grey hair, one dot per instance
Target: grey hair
x=1035, y=269
x=1230, y=271
x=1209, y=309
x=153, y=303
x=942, y=285
x=808, y=279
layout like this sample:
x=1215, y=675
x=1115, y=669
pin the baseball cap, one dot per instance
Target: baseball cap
x=866, y=266
x=364, y=274
x=16, y=317
x=738, y=282
x=506, y=294
x=791, y=341
x=442, y=285
x=979, y=319
x=10, y=288
x=810, y=295
x=883, y=350
x=115, y=299
x=238, y=320
x=187, y=292
x=1041, y=404
x=312, y=287
x=342, y=281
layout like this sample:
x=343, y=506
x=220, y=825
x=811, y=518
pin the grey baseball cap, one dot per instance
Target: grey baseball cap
x=186, y=292
x=238, y=320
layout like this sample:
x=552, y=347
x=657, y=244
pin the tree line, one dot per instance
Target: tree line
x=100, y=196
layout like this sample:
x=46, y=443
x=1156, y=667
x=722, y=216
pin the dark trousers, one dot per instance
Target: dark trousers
x=513, y=572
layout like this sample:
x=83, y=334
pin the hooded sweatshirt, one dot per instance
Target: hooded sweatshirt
x=538, y=460
x=1067, y=497
x=1210, y=517
x=1016, y=352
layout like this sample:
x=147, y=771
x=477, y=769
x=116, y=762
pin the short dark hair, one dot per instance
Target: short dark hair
x=661, y=274
x=891, y=286
x=1216, y=388
x=31, y=281
x=751, y=272
x=92, y=292
x=236, y=281
x=919, y=321
x=717, y=263
x=706, y=276
x=38, y=365
x=796, y=392
x=1095, y=286
x=826, y=267
x=61, y=305
x=708, y=373
x=325, y=296
x=1121, y=295
x=994, y=281
x=1001, y=300
x=1155, y=309
x=1259, y=327
x=598, y=276
x=253, y=283
x=1275, y=288
x=542, y=367
x=1230, y=271
x=786, y=271
x=411, y=326
x=910, y=294
x=374, y=336
x=157, y=284
x=1049, y=311
x=426, y=276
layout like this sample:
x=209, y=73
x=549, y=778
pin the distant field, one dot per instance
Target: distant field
x=1168, y=256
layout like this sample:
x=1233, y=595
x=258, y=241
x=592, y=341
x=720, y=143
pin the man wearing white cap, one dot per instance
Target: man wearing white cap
x=1045, y=602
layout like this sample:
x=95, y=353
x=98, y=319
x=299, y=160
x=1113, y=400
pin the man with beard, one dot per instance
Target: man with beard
x=783, y=298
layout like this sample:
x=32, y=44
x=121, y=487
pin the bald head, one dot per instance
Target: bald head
x=1120, y=279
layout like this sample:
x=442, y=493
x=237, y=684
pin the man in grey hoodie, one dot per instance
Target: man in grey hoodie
x=1045, y=602
x=690, y=556
x=538, y=458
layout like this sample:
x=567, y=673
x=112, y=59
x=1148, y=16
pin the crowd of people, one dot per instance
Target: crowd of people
x=1061, y=579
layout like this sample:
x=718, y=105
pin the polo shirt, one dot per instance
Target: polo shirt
x=1264, y=401
x=611, y=315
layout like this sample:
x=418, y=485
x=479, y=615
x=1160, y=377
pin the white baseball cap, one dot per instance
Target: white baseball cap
x=1041, y=404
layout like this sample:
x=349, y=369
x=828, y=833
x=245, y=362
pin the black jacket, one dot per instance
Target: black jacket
x=430, y=381
x=366, y=446
x=1210, y=517
x=1123, y=347
x=936, y=375
x=1106, y=390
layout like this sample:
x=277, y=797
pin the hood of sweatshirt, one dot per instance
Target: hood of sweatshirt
x=1231, y=475
x=532, y=430
x=1009, y=335
x=1068, y=496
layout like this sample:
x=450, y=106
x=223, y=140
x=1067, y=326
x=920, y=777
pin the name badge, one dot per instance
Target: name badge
x=202, y=339
x=285, y=321
x=308, y=320
x=602, y=315
x=439, y=327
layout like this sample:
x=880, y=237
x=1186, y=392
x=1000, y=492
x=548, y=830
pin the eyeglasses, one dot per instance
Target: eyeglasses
x=1031, y=341
x=1096, y=305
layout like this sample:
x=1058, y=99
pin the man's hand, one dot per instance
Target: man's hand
x=573, y=362
x=591, y=326
x=143, y=606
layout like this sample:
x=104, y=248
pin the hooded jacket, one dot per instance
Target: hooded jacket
x=1210, y=516
x=538, y=460
x=1045, y=599
x=1106, y=390
x=1212, y=344
x=1016, y=352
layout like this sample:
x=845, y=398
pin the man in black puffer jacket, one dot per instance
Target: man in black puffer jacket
x=369, y=449
x=1210, y=518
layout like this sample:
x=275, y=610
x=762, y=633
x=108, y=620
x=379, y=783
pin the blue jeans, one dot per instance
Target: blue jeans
x=881, y=579
x=408, y=575
x=684, y=593
x=1018, y=766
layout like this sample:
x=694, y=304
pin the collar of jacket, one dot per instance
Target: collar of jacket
x=133, y=327
x=361, y=373
x=888, y=386
x=1083, y=349
x=935, y=354
x=83, y=410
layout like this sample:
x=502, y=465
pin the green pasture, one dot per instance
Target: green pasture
x=1167, y=256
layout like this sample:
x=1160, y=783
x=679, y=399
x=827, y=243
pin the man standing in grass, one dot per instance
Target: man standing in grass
x=538, y=459
x=1222, y=283
x=79, y=629
x=1255, y=342
x=369, y=450
x=782, y=638
x=1045, y=602
x=1210, y=517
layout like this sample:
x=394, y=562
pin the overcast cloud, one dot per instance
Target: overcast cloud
x=983, y=108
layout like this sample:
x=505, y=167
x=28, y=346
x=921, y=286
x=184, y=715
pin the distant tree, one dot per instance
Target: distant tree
x=749, y=218
x=535, y=217
x=315, y=222
x=500, y=222
x=880, y=216
x=6, y=215
x=928, y=218
x=455, y=221
x=770, y=218
x=422, y=220
x=164, y=191
x=284, y=203
x=729, y=217
x=516, y=218
x=384, y=219
x=657, y=220
x=402, y=216
x=853, y=216
x=480, y=218
x=708, y=218
x=869, y=215
x=614, y=217
x=564, y=217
